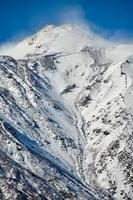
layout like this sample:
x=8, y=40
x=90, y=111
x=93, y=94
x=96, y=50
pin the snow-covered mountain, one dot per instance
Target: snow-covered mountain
x=66, y=117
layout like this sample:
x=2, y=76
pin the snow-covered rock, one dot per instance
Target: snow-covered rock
x=66, y=117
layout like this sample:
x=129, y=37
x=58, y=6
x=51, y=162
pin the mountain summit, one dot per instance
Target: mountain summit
x=66, y=117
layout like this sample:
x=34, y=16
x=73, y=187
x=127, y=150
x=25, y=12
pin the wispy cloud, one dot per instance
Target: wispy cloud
x=76, y=15
x=6, y=46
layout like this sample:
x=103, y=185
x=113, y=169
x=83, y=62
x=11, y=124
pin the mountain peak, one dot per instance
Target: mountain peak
x=53, y=39
x=66, y=119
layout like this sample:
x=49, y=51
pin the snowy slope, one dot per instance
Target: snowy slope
x=66, y=114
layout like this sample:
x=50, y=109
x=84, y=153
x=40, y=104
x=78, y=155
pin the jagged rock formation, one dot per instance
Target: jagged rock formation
x=66, y=117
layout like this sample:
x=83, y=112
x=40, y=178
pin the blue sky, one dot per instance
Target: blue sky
x=19, y=18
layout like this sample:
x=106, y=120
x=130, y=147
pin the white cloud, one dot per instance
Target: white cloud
x=76, y=15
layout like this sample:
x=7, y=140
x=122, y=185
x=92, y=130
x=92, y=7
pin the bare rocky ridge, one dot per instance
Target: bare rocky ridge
x=66, y=117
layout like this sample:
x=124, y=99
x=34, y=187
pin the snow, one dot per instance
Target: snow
x=60, y=124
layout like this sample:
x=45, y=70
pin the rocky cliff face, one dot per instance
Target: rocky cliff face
x=66, y=117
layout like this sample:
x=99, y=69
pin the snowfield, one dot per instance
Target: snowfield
x=66, y=117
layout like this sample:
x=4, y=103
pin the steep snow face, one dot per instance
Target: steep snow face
x=66, y=115
x=127, y=70
x=40, y=150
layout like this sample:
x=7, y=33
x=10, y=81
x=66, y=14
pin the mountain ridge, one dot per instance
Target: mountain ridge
x=65, y=95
